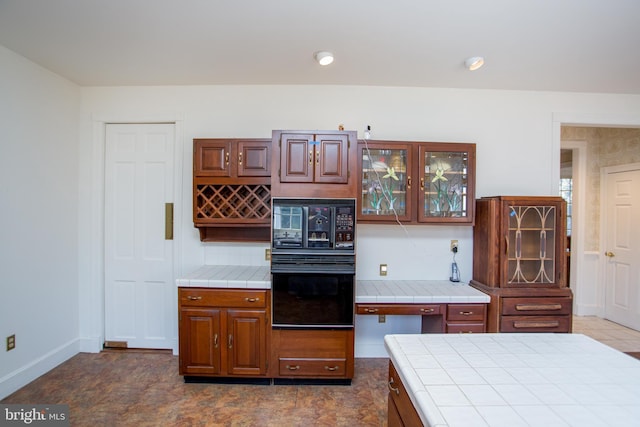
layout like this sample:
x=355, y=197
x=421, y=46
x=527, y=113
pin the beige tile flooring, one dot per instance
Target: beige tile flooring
x=607, y=332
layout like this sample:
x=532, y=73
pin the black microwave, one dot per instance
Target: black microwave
x=313, y=224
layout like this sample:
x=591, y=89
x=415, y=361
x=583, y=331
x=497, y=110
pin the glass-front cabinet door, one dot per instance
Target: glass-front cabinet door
x=446, y=187
x=385, y=190
x=532, y=244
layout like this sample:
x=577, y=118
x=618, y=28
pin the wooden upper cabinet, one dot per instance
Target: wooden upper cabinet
x=307, y=161
x=232, y=189
x=231, y=158
x=416, y=182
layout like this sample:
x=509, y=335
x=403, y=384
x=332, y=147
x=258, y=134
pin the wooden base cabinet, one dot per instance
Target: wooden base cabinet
x=401, y=412
x=223, y=332
x=436, y=318
x=313, y=354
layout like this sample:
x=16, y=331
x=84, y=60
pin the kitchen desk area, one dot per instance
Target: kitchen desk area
x=537, y=379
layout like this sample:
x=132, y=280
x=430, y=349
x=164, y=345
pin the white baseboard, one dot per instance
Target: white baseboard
x=90, y=344
x=29, y=372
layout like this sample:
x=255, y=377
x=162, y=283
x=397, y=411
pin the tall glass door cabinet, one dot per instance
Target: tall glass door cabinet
x=519, y=259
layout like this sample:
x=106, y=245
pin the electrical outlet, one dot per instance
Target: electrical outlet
x=267, y=254
x=11, y=342
x=382, y=318
x=454, y=246
x=383, y=269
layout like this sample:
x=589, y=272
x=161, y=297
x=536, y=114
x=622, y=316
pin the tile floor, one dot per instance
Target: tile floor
x=144, y=389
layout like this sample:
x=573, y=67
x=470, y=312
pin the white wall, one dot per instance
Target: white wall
x=38, y=219
x=517, y=141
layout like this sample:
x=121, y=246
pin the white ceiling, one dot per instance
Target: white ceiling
x=543, y=45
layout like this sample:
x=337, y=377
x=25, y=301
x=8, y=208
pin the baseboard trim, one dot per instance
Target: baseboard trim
x=38, y=367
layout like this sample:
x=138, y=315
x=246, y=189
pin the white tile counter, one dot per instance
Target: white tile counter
x=228, y=276
x=517, y=380
x=417, y=292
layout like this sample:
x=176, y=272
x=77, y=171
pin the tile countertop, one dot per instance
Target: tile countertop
x=517, y=380
x=417, y=292
x=228, y=276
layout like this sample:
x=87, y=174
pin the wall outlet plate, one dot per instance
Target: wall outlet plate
x=383, y=269
x=11, y=342
x=267, y=254
x=454, y=246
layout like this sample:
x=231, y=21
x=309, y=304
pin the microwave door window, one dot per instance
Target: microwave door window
x=287, y=226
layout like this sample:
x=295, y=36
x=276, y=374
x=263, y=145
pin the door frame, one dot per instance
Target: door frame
x=96, y=287
x=589, y=300
x=604, y=171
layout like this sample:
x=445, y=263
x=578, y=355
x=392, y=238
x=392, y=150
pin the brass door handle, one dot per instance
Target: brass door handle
x=609, y=254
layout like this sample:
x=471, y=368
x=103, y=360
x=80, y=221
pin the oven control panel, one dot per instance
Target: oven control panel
x=345, y=227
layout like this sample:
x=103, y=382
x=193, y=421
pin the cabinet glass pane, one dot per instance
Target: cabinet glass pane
x=531, y=244
x=445, y=184
x=384, y=182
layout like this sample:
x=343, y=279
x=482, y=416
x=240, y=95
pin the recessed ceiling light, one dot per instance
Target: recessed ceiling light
x=474, y=63
x=324, y=57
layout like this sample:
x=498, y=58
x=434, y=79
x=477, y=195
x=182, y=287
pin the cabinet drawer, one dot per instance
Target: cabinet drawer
x=466, y=312
x=290, y=367
x=465, y=328
x=199, y=297
x=399, y=309
x=536, y=306
x=535, y=324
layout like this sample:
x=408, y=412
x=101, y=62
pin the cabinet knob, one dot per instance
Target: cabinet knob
x=409, y=181
x=609, y=254
x=311, y=157
x=317, y=157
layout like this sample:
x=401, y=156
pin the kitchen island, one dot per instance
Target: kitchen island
x=510, y=380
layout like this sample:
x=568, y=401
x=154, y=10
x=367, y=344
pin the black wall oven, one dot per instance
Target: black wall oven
x=313, y=263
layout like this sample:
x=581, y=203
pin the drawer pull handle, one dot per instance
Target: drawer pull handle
x=391, y=388
x=331, y=368
x=230, y=341
x=427, y=310
x=466, y=313
x=252, y=299
x=194, y=298
x=550, y=324
x=215, y=341
x=539, y=307
x=370, y=310
x=292, y=368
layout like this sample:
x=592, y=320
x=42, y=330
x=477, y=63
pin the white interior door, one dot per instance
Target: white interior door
x=621, y=195
x=139, y=282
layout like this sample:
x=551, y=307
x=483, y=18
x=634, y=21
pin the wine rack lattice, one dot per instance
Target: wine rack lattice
x=237, y=202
